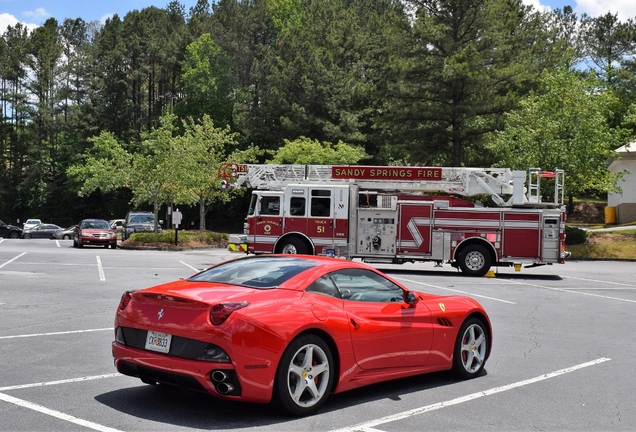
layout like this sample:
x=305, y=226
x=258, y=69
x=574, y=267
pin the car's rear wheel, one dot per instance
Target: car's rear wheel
x=114, y=246
x=471, y=349
x=305, y=376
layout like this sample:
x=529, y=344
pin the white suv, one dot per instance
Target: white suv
x=31, y=223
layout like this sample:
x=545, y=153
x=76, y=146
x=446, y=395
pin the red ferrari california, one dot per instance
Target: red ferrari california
x=292, y=329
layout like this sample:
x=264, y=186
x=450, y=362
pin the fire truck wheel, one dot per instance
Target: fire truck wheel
x=475, y=260
x=293, y=245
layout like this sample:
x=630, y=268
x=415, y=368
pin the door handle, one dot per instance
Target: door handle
x=354, y=323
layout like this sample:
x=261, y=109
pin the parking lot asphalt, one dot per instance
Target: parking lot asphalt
x=562, y=351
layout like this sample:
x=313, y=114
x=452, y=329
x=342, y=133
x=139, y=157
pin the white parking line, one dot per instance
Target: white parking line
x=454, y=290
x=366, y=426
x=66, y=381
x=57, y=242
x=100, y=269
x=55, y=333
x=188, y=265
x=600, y=281
x=572, y=291
x=13, y=259
x=57, y=414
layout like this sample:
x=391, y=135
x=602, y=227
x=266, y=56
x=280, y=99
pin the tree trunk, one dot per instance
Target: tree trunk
x=201, y=216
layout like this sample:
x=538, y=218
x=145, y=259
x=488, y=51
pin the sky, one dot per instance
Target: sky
x=34, y=13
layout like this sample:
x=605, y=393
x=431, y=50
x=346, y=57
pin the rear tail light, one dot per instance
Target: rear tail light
x=220, y=312
x=119, y=336
x=125, y=299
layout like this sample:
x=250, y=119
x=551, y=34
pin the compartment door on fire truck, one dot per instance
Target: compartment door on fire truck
x=415, y=227
x=266, y=220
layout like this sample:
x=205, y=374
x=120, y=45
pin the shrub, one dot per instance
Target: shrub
x=574, y=235
x=184, y=237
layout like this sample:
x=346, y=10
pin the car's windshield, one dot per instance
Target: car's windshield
x=255, y=272
x=141, y=219
x=95, y=225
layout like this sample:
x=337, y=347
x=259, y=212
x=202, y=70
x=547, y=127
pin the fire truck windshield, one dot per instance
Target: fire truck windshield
x=253, y=202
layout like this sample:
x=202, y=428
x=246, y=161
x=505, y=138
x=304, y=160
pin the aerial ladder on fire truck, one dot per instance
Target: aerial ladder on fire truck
x=507, y=188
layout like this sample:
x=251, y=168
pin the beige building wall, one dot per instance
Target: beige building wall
x=625, y=201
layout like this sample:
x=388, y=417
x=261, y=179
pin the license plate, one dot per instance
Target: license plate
x=159, y=342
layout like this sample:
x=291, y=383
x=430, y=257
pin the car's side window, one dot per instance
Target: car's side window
x=324, y=285
x=366, y=285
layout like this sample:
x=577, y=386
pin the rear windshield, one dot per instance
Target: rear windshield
x=255, y=272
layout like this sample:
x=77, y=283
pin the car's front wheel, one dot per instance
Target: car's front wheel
x=14, y=235
x=26, y=236
x=471, y=349
x=305, y=376
x=66, y=237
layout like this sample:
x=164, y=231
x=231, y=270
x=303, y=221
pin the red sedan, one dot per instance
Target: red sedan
x=94, y=232
x=292, y=330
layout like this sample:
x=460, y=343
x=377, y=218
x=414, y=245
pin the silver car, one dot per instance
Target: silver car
x=40, y=231
x=64, y=233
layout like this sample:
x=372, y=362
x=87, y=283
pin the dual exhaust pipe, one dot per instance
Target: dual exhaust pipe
x=220, y=379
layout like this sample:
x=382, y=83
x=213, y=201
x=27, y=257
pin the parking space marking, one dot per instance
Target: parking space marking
x=54, y=413
x=600, y=281
x=454, y=290
x=13, y=259
x=188, y=265
x=57, y=242
x=573, y=291
x=411, y=413
x=100, y=269
x=56, y=333
x=66, y=381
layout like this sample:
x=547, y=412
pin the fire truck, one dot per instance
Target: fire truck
x=382, y=214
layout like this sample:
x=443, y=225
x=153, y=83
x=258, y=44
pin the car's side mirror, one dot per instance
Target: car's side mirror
x=410, y=298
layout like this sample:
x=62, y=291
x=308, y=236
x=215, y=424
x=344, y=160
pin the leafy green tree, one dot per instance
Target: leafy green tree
x=565, y=29
x=13, y=141
x=195, y=160
x=318, y=77
x=44, y=126
x=307, y=151
x=207, y=81
x=608, y=41
x=147, y=171
x=464, y=65
x=563, y=125
x=111, y=101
